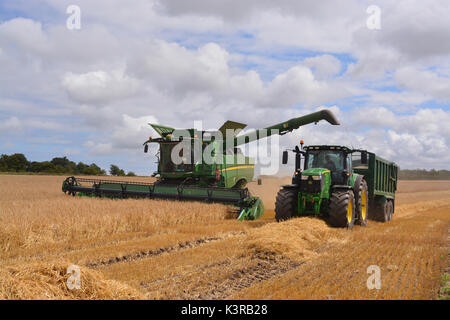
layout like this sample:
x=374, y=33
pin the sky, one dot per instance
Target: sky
x=88, y=93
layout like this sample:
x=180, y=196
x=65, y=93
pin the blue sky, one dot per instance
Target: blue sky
x=89, y=93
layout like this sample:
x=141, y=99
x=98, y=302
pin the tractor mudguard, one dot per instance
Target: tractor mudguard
x=341, y=187
x=290, y=186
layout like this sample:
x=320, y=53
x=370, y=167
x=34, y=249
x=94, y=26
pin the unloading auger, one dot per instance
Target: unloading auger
x=198, y=165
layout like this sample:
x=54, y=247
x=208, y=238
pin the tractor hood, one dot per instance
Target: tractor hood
x=314, y=171
x=315, y=182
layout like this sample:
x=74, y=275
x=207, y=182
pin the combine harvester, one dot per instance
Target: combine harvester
x=340, y=183
x=220, y=178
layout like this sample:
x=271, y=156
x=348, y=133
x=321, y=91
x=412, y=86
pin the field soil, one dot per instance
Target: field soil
x=154, y=249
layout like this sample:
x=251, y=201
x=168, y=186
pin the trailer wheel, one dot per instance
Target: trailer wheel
x=390, y=210
x=286, y=204
x=342, y=209
x=362, y=202
x=381, y=213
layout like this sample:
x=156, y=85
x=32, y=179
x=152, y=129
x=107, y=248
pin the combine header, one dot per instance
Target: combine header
x=198, y=165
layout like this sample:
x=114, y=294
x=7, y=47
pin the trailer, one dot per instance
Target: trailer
x=381, y=176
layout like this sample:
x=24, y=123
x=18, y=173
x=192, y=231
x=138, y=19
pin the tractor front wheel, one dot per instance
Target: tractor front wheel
x=286, y=204
x=342, y=209
x=240, y=184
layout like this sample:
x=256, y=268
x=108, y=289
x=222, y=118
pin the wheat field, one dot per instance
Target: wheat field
x=154, y=249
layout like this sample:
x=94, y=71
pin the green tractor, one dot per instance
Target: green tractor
x=340, y=184
x=198, y=165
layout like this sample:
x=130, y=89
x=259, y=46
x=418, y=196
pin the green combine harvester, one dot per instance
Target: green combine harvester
x=198, y=165
x=339, y=183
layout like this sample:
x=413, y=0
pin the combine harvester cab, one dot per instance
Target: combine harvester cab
x=345, y=185
x=198, y=165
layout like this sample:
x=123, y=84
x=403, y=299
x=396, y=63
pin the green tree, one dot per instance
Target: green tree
x=16, y=162
x=67, y=165
x=64, y=162
x=3, y=165
x=94, y=170
x=131, y=174
x=116, y=171
x=80, y=168
x=46, y=166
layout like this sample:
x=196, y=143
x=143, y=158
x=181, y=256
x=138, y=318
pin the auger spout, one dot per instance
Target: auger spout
x=287, y=126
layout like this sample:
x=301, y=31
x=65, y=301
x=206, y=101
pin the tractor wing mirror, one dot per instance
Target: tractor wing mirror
x=146, y=148
x=298, y=159
x=364, y=157
x=285, y=157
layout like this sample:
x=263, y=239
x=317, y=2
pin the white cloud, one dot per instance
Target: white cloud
x=128, y=135
x=99, y=86
x=374, y=116
x=259, y=62
x=24, y=33
x=323, y=66
x=11, y=124
x=424, y=81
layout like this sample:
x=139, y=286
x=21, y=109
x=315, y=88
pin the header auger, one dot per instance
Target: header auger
x=199, y=165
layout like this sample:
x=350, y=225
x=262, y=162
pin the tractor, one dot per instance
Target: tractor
x=346, y=186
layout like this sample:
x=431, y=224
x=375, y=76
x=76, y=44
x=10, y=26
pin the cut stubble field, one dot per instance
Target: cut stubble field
x=155, y=249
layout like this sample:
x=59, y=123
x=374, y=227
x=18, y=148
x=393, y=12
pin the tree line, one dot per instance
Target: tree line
x=19, y=163
x=422, y=174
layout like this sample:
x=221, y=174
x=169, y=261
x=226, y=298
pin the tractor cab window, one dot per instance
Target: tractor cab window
x=357, y=162
x=334, y=160
x=329, y=159
x=348, y=161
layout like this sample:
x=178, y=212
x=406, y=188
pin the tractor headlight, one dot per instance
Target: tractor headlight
x=314, y=177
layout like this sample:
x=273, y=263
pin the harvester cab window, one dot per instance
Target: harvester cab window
x=233, y=151
x=167, y=165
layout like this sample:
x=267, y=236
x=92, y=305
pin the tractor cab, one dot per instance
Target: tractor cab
x=336, y=159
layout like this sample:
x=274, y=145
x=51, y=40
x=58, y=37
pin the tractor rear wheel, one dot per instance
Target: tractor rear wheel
x=362, y=202
x=286, y=204
x=342, y=209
